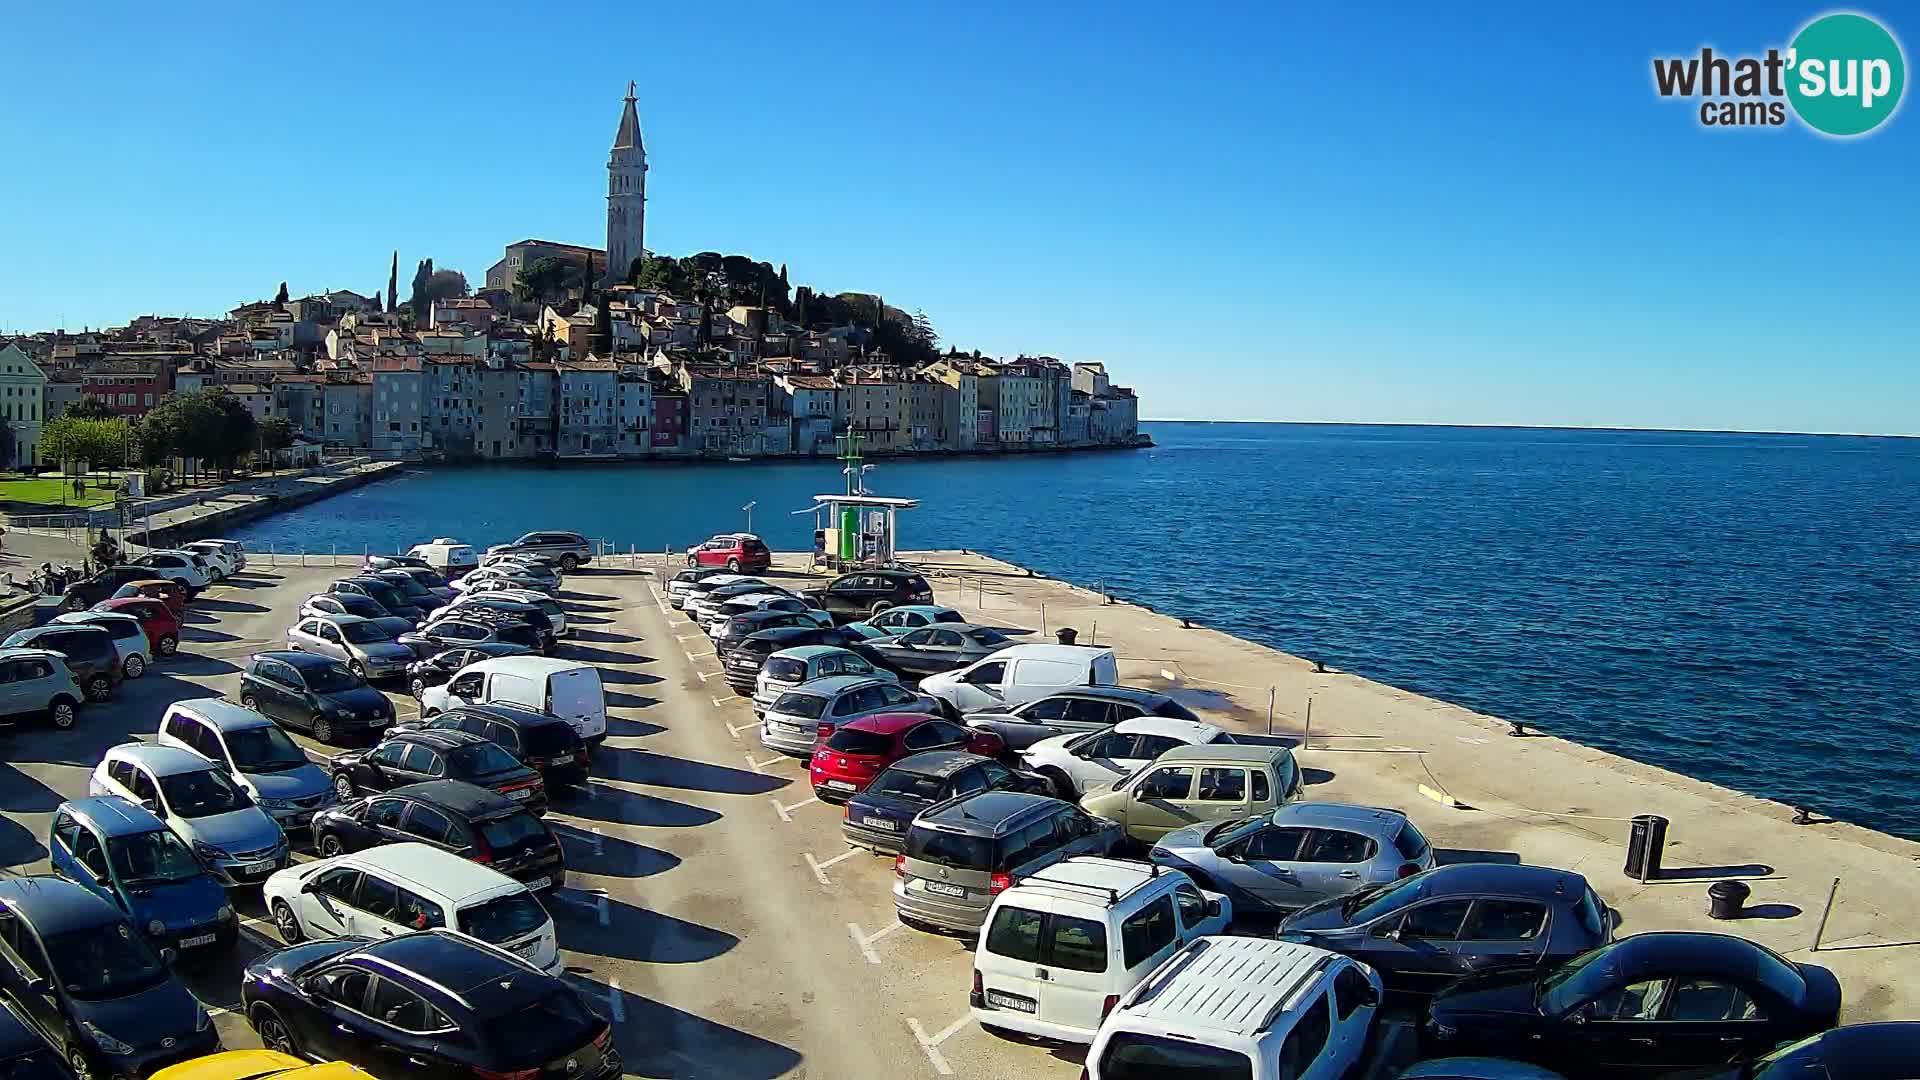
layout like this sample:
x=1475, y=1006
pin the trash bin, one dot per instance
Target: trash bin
x=1066, y=634
x=1644, y=844
x=1726, y=898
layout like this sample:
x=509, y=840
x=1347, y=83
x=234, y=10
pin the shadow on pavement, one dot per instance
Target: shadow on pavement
x=619, y=700
x=594, y=655
x=658, y=1040
x=204, y=604
x=618, y=677
x=1456, y=856
x=618, y=726
x=602, y=635
x=18, y=845
x=609, y=856
x=636, y=933
x=662, y=770
x=621, y=807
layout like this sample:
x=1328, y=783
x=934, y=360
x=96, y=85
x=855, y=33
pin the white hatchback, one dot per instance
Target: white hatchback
x=1088, y=759
x=400, y=888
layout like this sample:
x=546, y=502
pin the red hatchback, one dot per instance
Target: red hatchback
x=738, y=552
x=156, y=618
x=858, y=751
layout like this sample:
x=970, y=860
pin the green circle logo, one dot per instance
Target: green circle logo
x=1845, y=74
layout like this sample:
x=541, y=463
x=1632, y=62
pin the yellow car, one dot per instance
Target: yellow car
x=258, y=1065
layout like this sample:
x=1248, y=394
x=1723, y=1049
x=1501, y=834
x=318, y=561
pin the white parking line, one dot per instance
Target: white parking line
x=723, y=702
x=735, y=729
x=932, y=1045
x=864, y=942
x=662, y=604
x=689, y=656
x=820, y=868
x=705, y=675
x=786, y=812
x=685, y=637
x=758, y=766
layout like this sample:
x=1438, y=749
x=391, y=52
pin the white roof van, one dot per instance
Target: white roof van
x=1018, y=674
x=448, y=556
x=568, y=689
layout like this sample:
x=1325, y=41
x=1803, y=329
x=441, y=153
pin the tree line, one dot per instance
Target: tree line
x=210, y=427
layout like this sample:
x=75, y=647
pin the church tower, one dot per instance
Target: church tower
x=626, y=195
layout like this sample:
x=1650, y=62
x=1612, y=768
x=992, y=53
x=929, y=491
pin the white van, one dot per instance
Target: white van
x=449, y=557
x=399, y=888
x=1062, y=947
x=567, y=689
x=1240, y=1006
x=1018, y=674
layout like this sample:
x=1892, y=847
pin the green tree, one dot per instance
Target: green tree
x=274, y=434
x=280, y=298
x=546, y=280
x=90, y=408
x=153, y=439
x=418, y=300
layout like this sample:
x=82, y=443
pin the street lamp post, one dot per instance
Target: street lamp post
x=749, y=509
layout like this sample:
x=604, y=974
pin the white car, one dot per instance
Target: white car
x=397, y=889
x=236, y=551
x=1077, y=762
x=503, y=577
x=681, y=584
x=186, y=567
x=231, y=835
x=740, y=605
x=219, y=560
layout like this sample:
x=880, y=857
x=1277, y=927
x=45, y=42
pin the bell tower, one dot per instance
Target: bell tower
x=626, y=195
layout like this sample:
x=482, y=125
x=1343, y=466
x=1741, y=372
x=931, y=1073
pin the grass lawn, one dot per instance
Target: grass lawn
x=53, y=492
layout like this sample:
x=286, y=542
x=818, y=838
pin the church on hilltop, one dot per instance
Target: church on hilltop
x=626, y=216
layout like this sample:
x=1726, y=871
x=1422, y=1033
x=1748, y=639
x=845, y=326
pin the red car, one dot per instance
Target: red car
x=857, y=751
x=738, y=552
x=174, y=593
x=156, y=618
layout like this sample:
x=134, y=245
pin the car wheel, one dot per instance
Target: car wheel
x=568, y=564
x=343, y=786
x=135, y=667
x=284, y=921
x=878, y=608
x=357, y=670
x=692, y=562
x=1062, y=786
x=273, y=1031
x=99, y=688
x=75, y=603
x=168, y=644
x=733, y=566
x=331, y=845
x=77, y=1060
x=417, y=686
x=322, y=728
x=249, y=702
x=64, y=711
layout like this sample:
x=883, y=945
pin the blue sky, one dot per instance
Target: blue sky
x=1478, y=215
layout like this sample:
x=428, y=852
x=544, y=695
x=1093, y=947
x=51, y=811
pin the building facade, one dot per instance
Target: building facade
x=23, y=405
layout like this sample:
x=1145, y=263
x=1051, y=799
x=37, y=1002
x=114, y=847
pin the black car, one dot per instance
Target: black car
x=705, y=587
x=1646, y=1002
x=76, y=969
x=1423, y=932
x=483, y=606
x=435, y=670
x=469, y=821
x=313, y=694
x=471, y=628
x=930, y=650
x=740, y=626
x=862, y=593
x=387, y=594
x=749, y=655
x=24, y=1055
x=877, y=818
x=82, y=595
x=416, y=755
x=428, y=1004
x=89, y=650
x=542, y=742
x=417, y=592
x=390, y=562
x=1883, y=1051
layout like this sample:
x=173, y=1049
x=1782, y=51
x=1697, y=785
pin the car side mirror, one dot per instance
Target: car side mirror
x=168, y=954
x=1213, y=907
x=1581, y=1015
x=1370, y=997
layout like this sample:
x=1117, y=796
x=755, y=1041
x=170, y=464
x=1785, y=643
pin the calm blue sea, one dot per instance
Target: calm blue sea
x=1738, y=607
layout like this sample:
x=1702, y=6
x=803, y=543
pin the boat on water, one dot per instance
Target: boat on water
x=733, y=457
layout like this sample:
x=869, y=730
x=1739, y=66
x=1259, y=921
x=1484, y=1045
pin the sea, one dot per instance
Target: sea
x=1737, y=607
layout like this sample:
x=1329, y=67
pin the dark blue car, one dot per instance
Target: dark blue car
x=129, y=857
x=78, y=971
x=24, y=1055
x=877, y=818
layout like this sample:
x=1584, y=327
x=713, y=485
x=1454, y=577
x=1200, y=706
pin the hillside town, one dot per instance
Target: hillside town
x=573, y=353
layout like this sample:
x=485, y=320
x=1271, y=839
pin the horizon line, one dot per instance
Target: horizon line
x=1539, y=427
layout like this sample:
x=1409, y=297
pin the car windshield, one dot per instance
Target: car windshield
x=1369, y=904
x=151, y=858
x=805, y=706
x=911, y=785
x=365, y=633
x=263, y=749
x=503, y=918
x=407, y=585
x=1131, y=1056
x=480, y=759
x=959, y=850
x=538, y=1033
x=106, y=961
x=427, y=578
x=331, y=679
x=851, y=741
x=512, y=830
x=785, y=668
x=203, y=793
x=387, y=595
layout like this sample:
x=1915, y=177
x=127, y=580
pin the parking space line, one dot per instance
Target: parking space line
x=735, y=729
x=786, y=812
x=705, y=675
x=689, y=656
x=721, y=703
x=932, y=1045
x=864, y=942
x=686, y=637
x=658, y=602
x=761, y=766
x=820, y=868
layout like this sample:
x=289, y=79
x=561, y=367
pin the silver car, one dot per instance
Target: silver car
x=1297, y=854
x=806, y=713
x=367, y=648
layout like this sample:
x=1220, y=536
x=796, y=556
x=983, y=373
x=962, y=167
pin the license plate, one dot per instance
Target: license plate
x=559, y=759
x=537, y=883
x=197, y=939
x=838, y=785
x=522, y=794
x=945, y=889
x=795, y=728
x=256, y=867
x=745, y=663
x=1008, y=1001
x=880, y=823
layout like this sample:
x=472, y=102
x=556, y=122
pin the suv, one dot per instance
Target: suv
x=82, y=595
x=962, y=853
x=541, y=741
x=1241, y=1006
x=514, y=602
x=37, y=682
x=806, y=715
x=569, y=549
x=89, y=652
x=1207, y=782
x=877, y=818
x=737, y=627
x=185, y=567
x=469, y=821
x=255, y=752
x=735, y=551
x=678, y=584
x=386, y=594
x=129, y=637
x=861, y=593
x=771, y=662
x=1086, y=760
x=1064, y=945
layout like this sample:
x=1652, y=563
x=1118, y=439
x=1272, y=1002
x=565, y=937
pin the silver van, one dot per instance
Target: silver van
x=962, y=853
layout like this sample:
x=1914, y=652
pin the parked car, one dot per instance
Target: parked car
x=569, y=549
x=1241, y=1007
x=469, y=628
x=329, y=604
x=424, y=576
x=172, y=593
x=747, y=662
x=72, y=962
x=856, y=752
x=735, y=551
x=447, y=556
x=568, y=689
x=253, y=750
x=931, y=650
x=740, y=627
x=1078, y=763
x=691, y=592
x=232, y=837
x=1878, y=1051
x=128, y=857
x=542, y=742
x=184, y=567
x=542, y=564
x=81, y=595
x=1018, y=674
x=441, y=666
x=505, y=599
x=757, y=604
x=129, y=637
x=899, y=620
x=1298, y=854
x=234, y=551
x=392, y=889
x=878, y=815
x=313, y=694
x=962, y=853
x=367, y=648
x=458, y=1005
x=1189, y=784
x=1658, y=1000
x=219, y=559
x=156, y=618
x=391, y=562
x=415, y=590
x=1077, y=711
x=702, y=606
x=1063, y=946
x=387, y=595
x=680, y=583
x=803, y=717
x=414, y=755
x=259, y=1065
x=472, y=822
x=1435, y=926
x=89, y=652
x=863, y=593
x=508, y=576
x=37, y=683
x=25, y=1054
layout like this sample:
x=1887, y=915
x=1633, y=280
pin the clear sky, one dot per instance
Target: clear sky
x=1449, y=213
